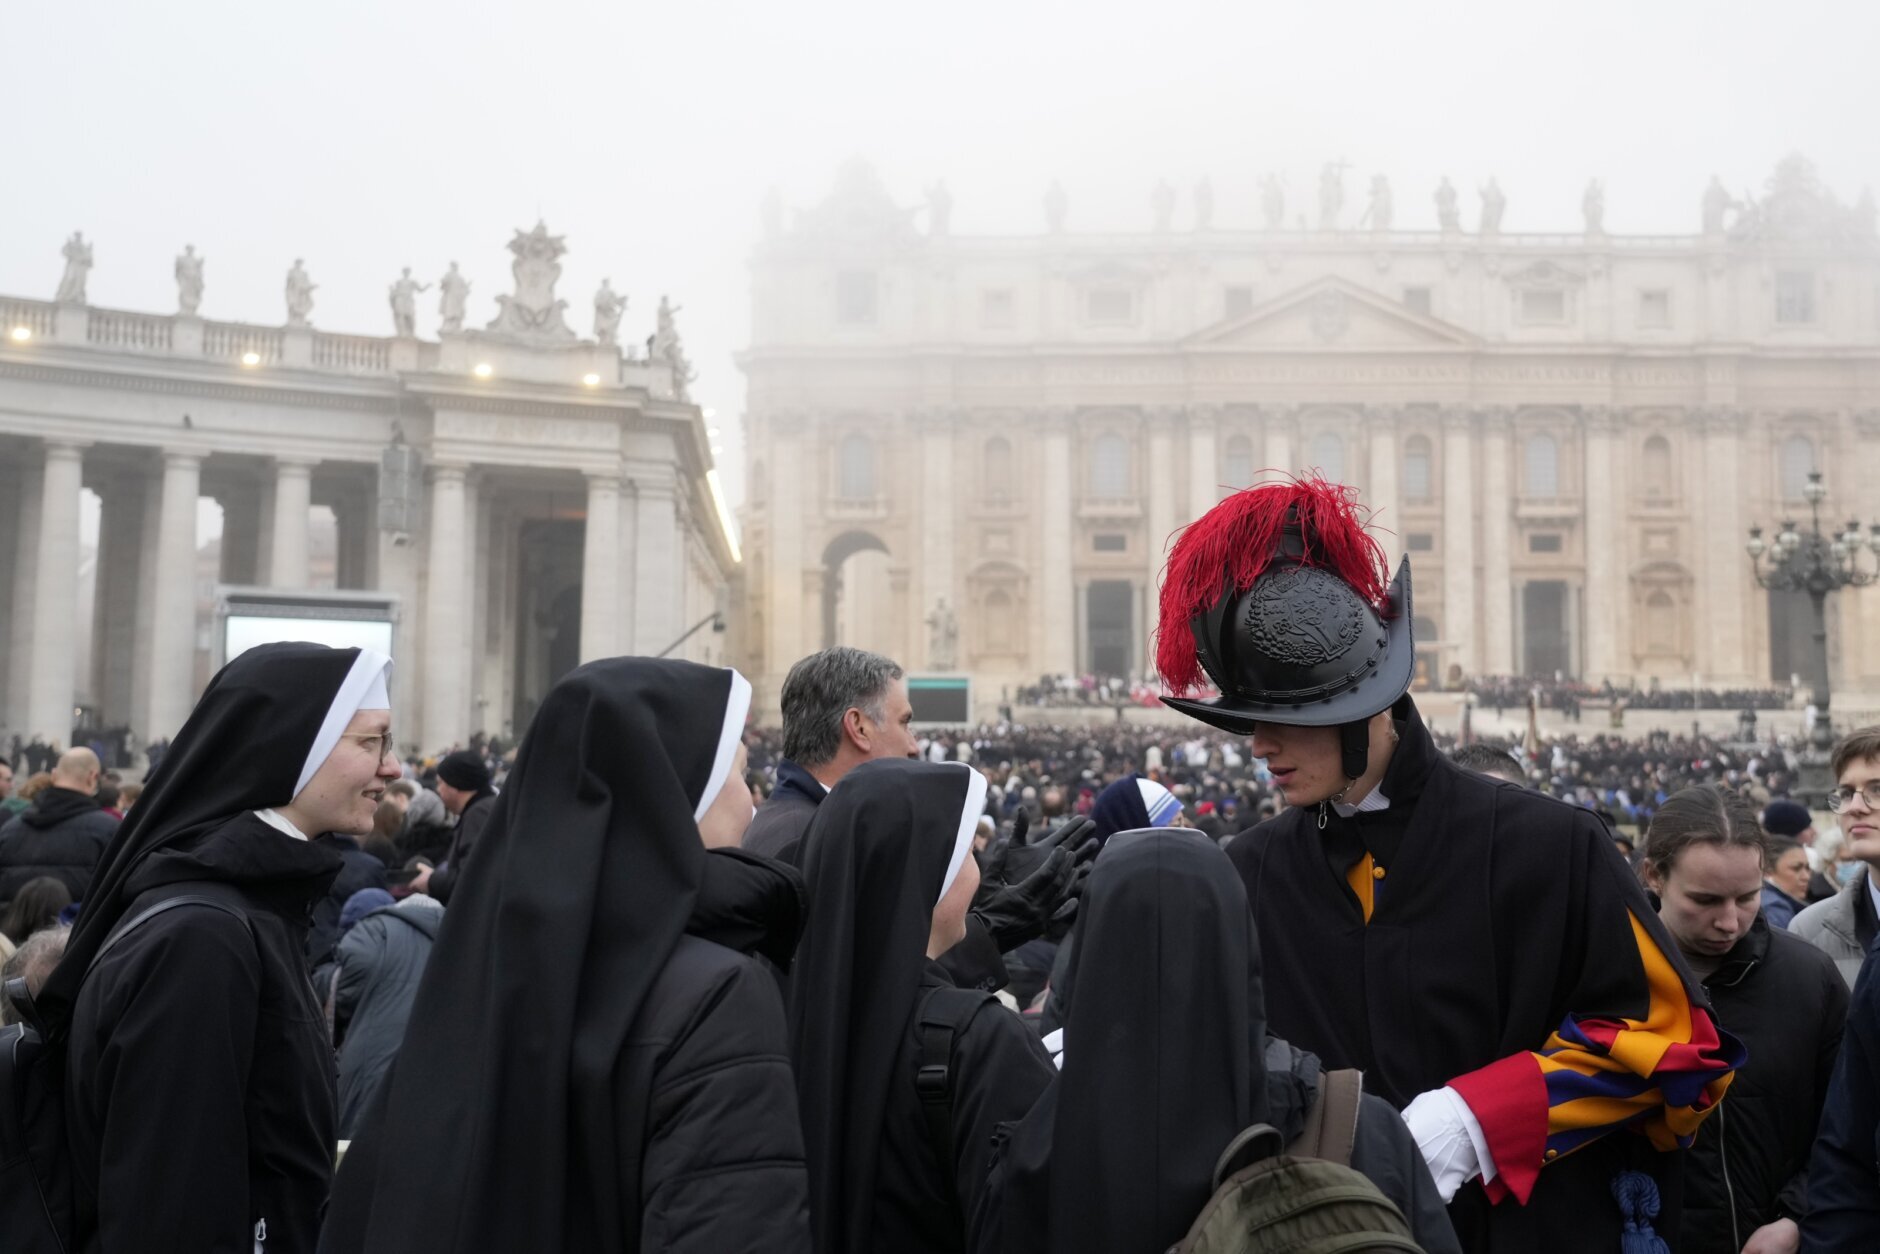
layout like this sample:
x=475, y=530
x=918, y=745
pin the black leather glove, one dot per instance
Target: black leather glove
x=1027, y=890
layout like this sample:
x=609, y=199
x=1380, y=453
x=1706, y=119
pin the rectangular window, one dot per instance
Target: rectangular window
x=1111, y=306
x=1417, y=299
x=995, y=307
x=1420, y=542
x=1239, y=302
x=1544, y=542
x=857, y=293
x=1546, y=307
x=1654, y=310
x=1795, y=296
x=1108, y=542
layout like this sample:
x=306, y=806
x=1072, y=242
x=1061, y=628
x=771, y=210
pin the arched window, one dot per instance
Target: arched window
x=1328, y=455
x=1416, y=468
x=856, y=478
x=1237, y=467
x=1661, y=625
x=1109, y=466
x=1543, y=466
x=1655, y=470
x=998, y=478
x=1798, y=462
x=1000, y=621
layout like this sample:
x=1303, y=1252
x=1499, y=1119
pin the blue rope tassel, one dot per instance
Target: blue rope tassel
x=1637, y=1195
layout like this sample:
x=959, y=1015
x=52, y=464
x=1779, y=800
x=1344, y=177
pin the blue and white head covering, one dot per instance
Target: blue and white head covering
x=1159, y=802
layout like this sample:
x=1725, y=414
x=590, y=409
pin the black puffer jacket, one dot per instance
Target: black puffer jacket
x=63, y=835
x=199, y=1088
x=1785, y=1000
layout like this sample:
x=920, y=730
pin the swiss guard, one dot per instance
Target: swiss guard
x=1481, y=952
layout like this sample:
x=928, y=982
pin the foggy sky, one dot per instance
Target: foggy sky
x=368, y=135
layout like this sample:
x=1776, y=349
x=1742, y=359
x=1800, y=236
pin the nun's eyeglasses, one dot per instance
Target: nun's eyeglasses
x=378, y=744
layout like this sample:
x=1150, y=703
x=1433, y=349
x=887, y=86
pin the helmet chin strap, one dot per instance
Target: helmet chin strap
x=1354, y=749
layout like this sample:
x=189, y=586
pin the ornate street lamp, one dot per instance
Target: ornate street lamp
x=1816, y=563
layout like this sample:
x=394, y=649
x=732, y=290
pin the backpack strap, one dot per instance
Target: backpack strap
x=151, y=911
x=1331, y=1128
x=943, y=1014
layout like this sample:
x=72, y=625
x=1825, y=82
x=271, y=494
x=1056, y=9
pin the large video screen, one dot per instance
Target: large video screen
x=945, y=700
x=244, y=632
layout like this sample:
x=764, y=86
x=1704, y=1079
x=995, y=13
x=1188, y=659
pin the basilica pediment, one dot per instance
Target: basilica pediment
x=1332, y=313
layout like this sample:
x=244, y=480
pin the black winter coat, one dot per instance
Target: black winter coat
x=469, y=827
x=199, y=1083
x=63, y=835
x=359, y=870
x=1786, y=1001
x=1843, y=1184
x=379, y=964
x=998, y=1070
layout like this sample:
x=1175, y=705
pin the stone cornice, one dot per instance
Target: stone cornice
x=383, y=399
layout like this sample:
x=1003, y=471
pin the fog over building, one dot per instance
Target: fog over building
x=1569, y=433
x=519, y=497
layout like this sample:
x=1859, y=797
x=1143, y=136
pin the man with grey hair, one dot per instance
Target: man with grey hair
x=843, y=707
x=32, y=961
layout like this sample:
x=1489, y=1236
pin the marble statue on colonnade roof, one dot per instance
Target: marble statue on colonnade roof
x=188, y=281
x=77, y=254
x=453, y=295
x=299, y=294
x=533, y=312
x=1448, y=214
x=1494, y=204
x=608, y=306
x=405, y=304
x=664, y=345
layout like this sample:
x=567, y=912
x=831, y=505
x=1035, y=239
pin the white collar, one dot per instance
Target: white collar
x=274, y=819
x=1374, y=801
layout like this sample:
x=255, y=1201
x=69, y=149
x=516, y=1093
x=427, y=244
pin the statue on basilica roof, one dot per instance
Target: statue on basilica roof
x=299, y=292
x=1331, y=194
x=533, y=311
x=77, y=254
x=188, y=281
x=1448, y=213
x=608, y=306
x=453, y=295
x=1494, y=205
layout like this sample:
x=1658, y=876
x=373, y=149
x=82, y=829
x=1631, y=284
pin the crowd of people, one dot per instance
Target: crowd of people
x=1513, y=692
x=654, y=979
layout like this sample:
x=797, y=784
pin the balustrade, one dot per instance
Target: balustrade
x=354, y=354
x=120, y=329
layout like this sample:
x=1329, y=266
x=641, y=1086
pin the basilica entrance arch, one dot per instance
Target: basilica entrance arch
x=856, y=605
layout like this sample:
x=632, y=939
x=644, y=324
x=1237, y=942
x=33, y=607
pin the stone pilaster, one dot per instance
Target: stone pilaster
x=1053, y=650
x=1459, y=589
x=600, y=570
x=1204, y=460
x=446, y=614
x=24, y=539
x=933, y=429
x=171, y=677
x=658, y=561
x=1498, y=652
x=1280, y=425
x=293, y=497
x=1608, y=650
x=114, y=605
x=52, y=680
x=1161, y=520
x=1724, y=570
x=1383, y=498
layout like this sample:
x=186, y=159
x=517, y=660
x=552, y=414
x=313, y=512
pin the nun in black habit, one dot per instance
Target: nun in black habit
x=1166, y=1059
x=199, y=1078
x=595, y=1062
x=890, y=873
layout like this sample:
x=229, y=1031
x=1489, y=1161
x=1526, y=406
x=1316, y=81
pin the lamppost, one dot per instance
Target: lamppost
x=1817, y=563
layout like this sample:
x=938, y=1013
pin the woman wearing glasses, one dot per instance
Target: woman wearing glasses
x=1845, y=925
x=199, y=1080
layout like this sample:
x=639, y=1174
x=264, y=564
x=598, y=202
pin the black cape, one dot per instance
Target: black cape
x=875, y=860
x=241, y=749
x=497, y=1129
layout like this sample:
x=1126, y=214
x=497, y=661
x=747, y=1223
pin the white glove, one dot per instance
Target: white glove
x=1451, y=1140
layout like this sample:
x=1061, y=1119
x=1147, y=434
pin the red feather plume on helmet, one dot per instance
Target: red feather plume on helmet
x=1237, y=540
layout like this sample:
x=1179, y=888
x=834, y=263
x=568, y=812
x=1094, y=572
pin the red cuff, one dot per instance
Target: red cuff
x=1509, y=1100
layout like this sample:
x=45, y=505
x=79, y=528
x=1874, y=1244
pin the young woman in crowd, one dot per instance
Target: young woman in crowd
x=898, y=1162
x=595, y=1061
x=199, y=1079
x=1166, y=1059
x=35, y=906
x=1745, y=1175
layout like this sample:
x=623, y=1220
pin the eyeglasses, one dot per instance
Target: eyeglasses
x=378, y=744
x=1841, y=798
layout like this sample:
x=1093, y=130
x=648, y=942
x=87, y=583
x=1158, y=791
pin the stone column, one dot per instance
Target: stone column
x=600, y=569
x=1723, y=655
x=114, y=607
x=1607, y=654
x=1386, y=513
x=446, y=615
x=52, y=680
x=172, y=674
x=293, y=497
x=19, y=662
x=1459, y=595
x=1204, y=460
x=1161, y=518
x=1053, y=649
x=1497, y=523
x=148, y=538
x=1278, y=422
x=938, y=536
x=660, y=560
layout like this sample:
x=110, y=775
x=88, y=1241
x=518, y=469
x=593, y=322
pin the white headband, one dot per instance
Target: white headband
x=367, y=686
x=736, y=707
x=969, y=824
